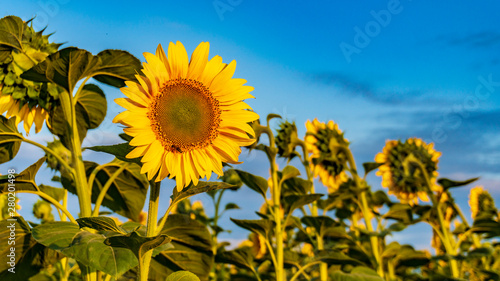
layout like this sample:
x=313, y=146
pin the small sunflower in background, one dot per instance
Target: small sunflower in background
x=257, y=244
x=286, y=140
x=481, y=202
x=406, y=180
x=27, y=101
x=328, y=160
x=186, y=117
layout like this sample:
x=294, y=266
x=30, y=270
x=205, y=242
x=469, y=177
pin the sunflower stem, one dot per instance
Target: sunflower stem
x=276, y=197
x=154, y=196
x=365, y=210
x=323, y=268
x=105, y=189
x=446, y=239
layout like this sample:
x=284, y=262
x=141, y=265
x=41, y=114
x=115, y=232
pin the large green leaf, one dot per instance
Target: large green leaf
x=56, y=235
x=90, y=112
x=116, y=67
x=182, y=276
x=127, y=193
x=400, y=212
x=30, y=256
x=201, y=187
x=89, y=249
x=11, y=32
x=192, y=249
x=138, y=244
x=256, y=183
x=334, y=257
x=70, y=65
x=289, y=172
x=10, y=139
x=24, y=180
x=370, y=166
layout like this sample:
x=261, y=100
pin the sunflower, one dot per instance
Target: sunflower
x=328, y=160
x=480, y=201
x=286, y=140
x=186, y=117
x=404, y=180
x=27, y=101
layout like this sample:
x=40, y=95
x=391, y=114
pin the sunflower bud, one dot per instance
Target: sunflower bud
x=42, y=210
x=61, y=151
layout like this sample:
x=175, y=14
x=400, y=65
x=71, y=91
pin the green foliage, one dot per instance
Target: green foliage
x=182, y=276
x=10, y=139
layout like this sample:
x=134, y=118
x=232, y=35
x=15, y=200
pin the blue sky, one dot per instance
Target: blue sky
x=381, y=69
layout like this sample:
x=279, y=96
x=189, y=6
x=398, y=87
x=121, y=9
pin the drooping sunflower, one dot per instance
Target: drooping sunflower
x=406, y=180
x=186, y=117
x=27, y=101
x=480, y=201
x=285, y=140
x=328, y=160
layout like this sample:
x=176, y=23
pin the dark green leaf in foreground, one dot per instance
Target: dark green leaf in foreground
x=10, y=139
x=139, y=245
x=30, y=255
x=192, y=249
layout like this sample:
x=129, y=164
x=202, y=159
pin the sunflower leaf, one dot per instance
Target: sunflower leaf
x=182, y=276
x=138, y=244
x=10, y=139
x=30, y=256
x=447, y=183
x=370, y=166
x=359, y=273
x=11, y=32
x=24, y=180
x=201, y=187
x=256, y=183
x=120, y=151
x=116, y=67
x=262, y=227
x=192, y=249
x=100, y=223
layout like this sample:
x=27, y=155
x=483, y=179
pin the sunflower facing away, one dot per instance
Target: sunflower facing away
x=480, y=201
x=328, y=160
x=406, y=181
x=186, y=117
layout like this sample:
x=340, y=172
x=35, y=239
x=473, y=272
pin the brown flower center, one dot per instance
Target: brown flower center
x=184, y=115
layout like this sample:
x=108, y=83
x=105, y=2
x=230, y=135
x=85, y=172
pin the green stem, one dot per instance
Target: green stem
x=445, y=232
x=301, y=270
x=50, y=151
x=52, y=201
x=365, y=210
x=94, y=173
x=105, y=188
x=271, y=252
x=151, y=227
x=323, y=269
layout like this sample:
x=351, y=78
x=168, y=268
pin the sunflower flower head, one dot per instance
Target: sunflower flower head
x=185, y=116
x=481, y=202
x=328, y=158
x=25, y=100
x=401, y=169
x=286, y=140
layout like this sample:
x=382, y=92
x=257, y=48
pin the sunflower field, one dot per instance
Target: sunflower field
x=185, y=122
